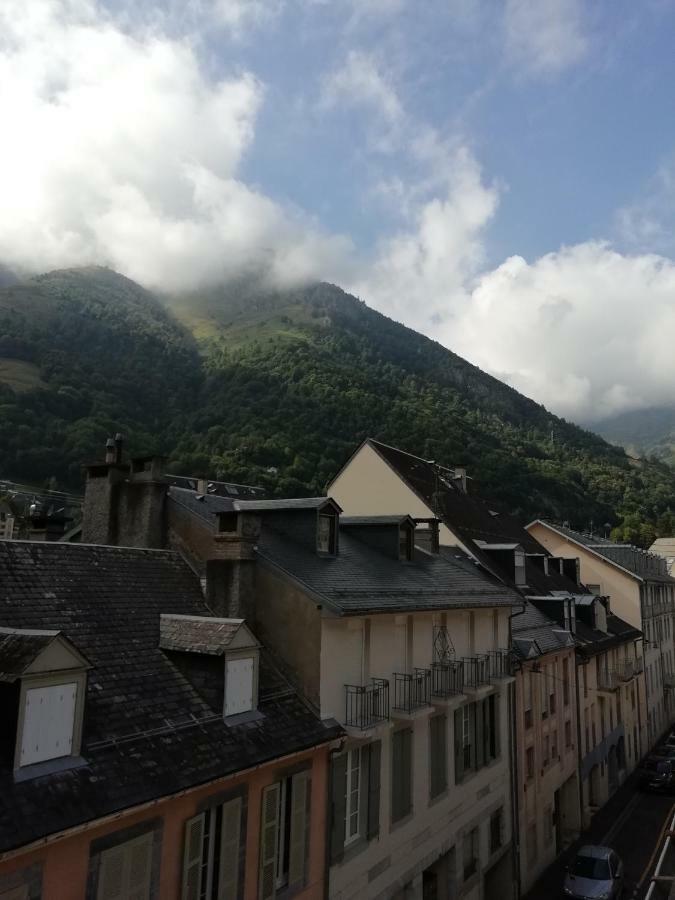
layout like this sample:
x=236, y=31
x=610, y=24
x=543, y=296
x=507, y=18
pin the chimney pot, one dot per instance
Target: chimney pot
x=119, y=443
x=110, y=452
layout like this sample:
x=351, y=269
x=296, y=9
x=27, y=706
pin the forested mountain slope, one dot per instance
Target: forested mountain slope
x=277, y=388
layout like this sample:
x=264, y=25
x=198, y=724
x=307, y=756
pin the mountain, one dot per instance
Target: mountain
x=644, y=432
x=277, y=388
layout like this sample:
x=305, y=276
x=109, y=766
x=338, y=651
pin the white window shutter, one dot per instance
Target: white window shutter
x=228, y=877
x=192, y=857
x=298, y=841
x=269, y=842
x=111, y=874
x=139, y=867
x=49, y=722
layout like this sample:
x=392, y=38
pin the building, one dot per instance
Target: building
x=148, y=749
x=642, y=594
x=546, y=775
x=665, y=547
x=406, y=647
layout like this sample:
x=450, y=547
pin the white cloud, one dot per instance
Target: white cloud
x=121, y=151
x=586, y=330
x=544, y=35
x=360, y=82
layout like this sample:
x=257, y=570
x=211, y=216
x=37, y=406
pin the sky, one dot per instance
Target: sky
x=497, y=174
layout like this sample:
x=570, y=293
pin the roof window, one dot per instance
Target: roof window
x=406, y=541
x=326, y=541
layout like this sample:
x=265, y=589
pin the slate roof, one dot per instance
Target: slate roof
x=148, y=731
x=204, y=506
x=591, y=641
x=626, y=556
x=472, y=519
x=207, y=635
x=18, y=649
x=273, y=505
x=375, y=520
x=360, y=580
x=533, y=625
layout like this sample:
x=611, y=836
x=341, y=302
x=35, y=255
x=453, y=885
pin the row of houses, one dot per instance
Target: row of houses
x=391, y=691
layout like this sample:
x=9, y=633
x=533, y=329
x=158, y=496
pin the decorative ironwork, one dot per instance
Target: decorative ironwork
x=366, y=705
x=447, y=679
x=499, y=663
x=476, y=670
x=412, y=690
x=444, y=651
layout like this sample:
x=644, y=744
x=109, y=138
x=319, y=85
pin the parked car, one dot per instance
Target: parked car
x=654, y=767
x=662, y=779
x=669, y=743
x=595, y=873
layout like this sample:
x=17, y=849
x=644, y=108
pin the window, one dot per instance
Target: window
x=125, y=870
x=477, y=738
x=546, y=750
x=593, y=588
x=406, y=542
x=529, y=762
x=353, y=795
x=438, y=755
x=568, y=734
x=496, y=825
x=468, y=715
x=532, y=844
x=566, y=682
x=554, y=746
x=548, y=826
x=519, y=568
x=284, y=830
x=48, y=723
x=240, y=683
x=543, y=692
x=212, y=855
x=527, y=698
x=470, y=854
x=365, y=794
x=401, y=774
x=327, y=533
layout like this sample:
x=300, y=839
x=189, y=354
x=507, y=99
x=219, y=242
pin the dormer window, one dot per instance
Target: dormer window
x=327, y=532
x=203, y=636
x=519, y=568
x=46, y=675
x=406, y=541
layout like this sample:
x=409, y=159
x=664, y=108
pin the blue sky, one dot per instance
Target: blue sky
x=499, y=174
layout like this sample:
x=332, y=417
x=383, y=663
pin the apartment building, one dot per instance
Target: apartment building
x=642, y=594
x=149, y=749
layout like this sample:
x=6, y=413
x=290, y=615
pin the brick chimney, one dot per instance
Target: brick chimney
x=230, y=571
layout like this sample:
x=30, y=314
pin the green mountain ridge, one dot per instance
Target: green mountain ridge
x=644, y=432
x=278, y=388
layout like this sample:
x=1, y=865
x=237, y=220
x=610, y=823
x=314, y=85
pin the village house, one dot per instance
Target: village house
x=642, y=594
x=149, y=749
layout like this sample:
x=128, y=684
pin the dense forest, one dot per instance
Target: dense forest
x=277, y=389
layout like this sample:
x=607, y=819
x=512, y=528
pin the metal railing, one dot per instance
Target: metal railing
x=447, y=679
x=608, y=679
x=367, y=704
x=412, y=690
x=476, y=670
x=669, y=680
x=629, y=668
x=499, y=664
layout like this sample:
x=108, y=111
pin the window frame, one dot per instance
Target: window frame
x=52, y=679
x=330, y=515
x=232, y=656
x=350, y=809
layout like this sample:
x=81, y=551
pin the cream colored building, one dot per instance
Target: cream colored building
x=642, y=594
x=665, y=547
x=408, y=650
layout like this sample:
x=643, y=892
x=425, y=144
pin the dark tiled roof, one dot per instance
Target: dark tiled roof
x=591, y=641
x=203, y=634
x=360, y=580
x=472, y=519
x=274, y=505
x=219, y=488
x=374, y=520
x=18, y=649
x=204, y=506
x=148, y=732
x=534, y=625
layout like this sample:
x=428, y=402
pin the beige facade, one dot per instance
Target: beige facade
x=456, y=829
x=647, y=604
x=547, y=764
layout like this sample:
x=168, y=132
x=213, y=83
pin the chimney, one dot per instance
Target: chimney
x=230, y=572
x=110, y=452
x=427, y=537
x=118, y=444
x=461, y=478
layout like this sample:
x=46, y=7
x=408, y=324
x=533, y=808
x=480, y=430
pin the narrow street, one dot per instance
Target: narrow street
x=631, y=823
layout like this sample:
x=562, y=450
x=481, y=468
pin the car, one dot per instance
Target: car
x=669, y=743
x=595, y=873
x=662, y=778
x=654, y=767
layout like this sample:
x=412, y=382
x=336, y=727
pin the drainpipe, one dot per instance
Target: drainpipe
x=639, y=703
x=515, y=818
x=579, y=754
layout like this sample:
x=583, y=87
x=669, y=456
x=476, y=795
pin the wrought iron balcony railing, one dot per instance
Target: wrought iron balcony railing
x=608, y=679
x=447, y=679
x=499, y=663
x=476, y=670
x=412, y=690
x=669, y=680
x=368, y=704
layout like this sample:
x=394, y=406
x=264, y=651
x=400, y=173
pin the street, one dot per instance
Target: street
x=631, y=823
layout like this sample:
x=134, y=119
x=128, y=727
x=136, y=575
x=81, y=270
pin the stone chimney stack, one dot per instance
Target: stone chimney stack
x=461, y=478
x=230, y=572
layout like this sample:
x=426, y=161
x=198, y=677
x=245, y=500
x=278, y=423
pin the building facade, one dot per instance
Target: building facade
x=642, y=594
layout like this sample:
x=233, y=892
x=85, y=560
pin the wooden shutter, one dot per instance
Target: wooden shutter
x=192, y=857
x=297, y=855
x=269, y=842
x=479, y=733
x=338, y=809
x=230, y=840
x=111, y=874
x=497, y=726
x=374, y=761
x=437, y=755
x=139, y=867
x=407, y=771
x=459, y=747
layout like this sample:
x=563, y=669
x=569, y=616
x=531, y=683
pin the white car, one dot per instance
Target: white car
x=595, y=873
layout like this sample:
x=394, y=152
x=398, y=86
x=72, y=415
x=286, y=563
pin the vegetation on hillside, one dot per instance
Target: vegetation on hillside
x=278, y=389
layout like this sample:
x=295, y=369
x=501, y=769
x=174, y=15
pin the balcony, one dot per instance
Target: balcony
x=669, y=680
x=629, y=668
x=609, y=680
x=499, y=662
x=447, y=679
x=412, y=691
x=476, y=671
x=367, y=706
